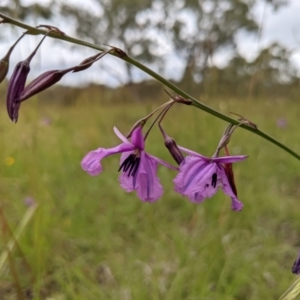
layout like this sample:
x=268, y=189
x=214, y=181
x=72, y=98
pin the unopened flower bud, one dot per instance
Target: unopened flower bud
x=172, y=146
x=174, y=150
x=15, y=87
x=42, y=82
x=17, y=83
x=225, y=139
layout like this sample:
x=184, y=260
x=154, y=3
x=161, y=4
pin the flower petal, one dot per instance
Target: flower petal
x=145, y=180
x=120, y=135
x=229, y=159
x=137, y=138
x=189, y=168
x=91, y=162
x=193, y=153
x=149, y=188
x=162, y=162
x=235, y=203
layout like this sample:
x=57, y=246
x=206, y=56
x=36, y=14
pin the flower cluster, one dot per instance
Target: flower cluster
x=198, y=177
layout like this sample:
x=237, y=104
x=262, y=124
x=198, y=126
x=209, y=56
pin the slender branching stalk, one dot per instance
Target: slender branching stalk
x=125, y=57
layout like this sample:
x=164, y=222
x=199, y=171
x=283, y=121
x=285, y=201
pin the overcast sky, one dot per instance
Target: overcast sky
x=281, y=26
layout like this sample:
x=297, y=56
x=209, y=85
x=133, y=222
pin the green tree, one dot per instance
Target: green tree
x=195, y=30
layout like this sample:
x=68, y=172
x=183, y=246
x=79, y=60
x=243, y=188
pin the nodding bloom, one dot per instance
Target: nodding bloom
x=296, y=266
x=16, y=84
x=199, y=177
x=138, y=168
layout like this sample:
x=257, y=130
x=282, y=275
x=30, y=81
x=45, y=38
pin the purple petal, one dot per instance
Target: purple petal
x=235, y=203
x=91, y=162
x=162, y=162
x=193, y=153
x=189, y=168
x=229, y=159
x=149, y=188
x=137, y=138
x=145, y=181
x=195, y=179
x=120, y=135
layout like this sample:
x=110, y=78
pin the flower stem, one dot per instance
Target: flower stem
x=35, y=31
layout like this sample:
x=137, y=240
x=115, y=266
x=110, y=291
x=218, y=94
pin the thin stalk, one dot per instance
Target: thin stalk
x=35, y=31
x=162, y=113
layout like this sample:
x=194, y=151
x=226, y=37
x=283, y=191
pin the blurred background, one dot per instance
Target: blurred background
x=72, y=236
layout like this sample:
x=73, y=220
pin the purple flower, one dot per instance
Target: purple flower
x=200, y=177
x=296, y=266
x=138, y=167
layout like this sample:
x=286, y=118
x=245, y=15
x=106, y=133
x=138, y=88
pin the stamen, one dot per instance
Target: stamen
x=125, y=162
x=130, y=164
x=133, y=164
x=137, y=163
x=214, y=180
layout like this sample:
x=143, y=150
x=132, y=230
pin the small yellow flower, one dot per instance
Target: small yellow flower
x=9, y=161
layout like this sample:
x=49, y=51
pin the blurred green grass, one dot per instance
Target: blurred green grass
x=91, y=240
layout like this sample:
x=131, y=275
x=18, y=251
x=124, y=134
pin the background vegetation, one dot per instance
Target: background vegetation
x=87, y=238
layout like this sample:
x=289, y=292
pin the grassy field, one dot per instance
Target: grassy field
x=88, y=239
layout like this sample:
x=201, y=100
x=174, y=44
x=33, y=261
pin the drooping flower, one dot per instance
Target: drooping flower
x=138, y=167
x=200, y=177
x=17, y=82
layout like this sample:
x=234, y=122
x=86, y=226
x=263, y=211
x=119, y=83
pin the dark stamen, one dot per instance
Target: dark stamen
x=137, y=163
x=214, y=180
x=130, y=164
x=126, y=163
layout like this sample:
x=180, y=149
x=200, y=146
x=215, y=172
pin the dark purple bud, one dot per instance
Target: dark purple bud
x=296, y=266
x=15, y=87
x=172, y=146
x=42, y=82
x=174, y=150
x=17, y=83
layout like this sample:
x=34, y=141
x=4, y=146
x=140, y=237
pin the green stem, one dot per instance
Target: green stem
x=196, y=103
